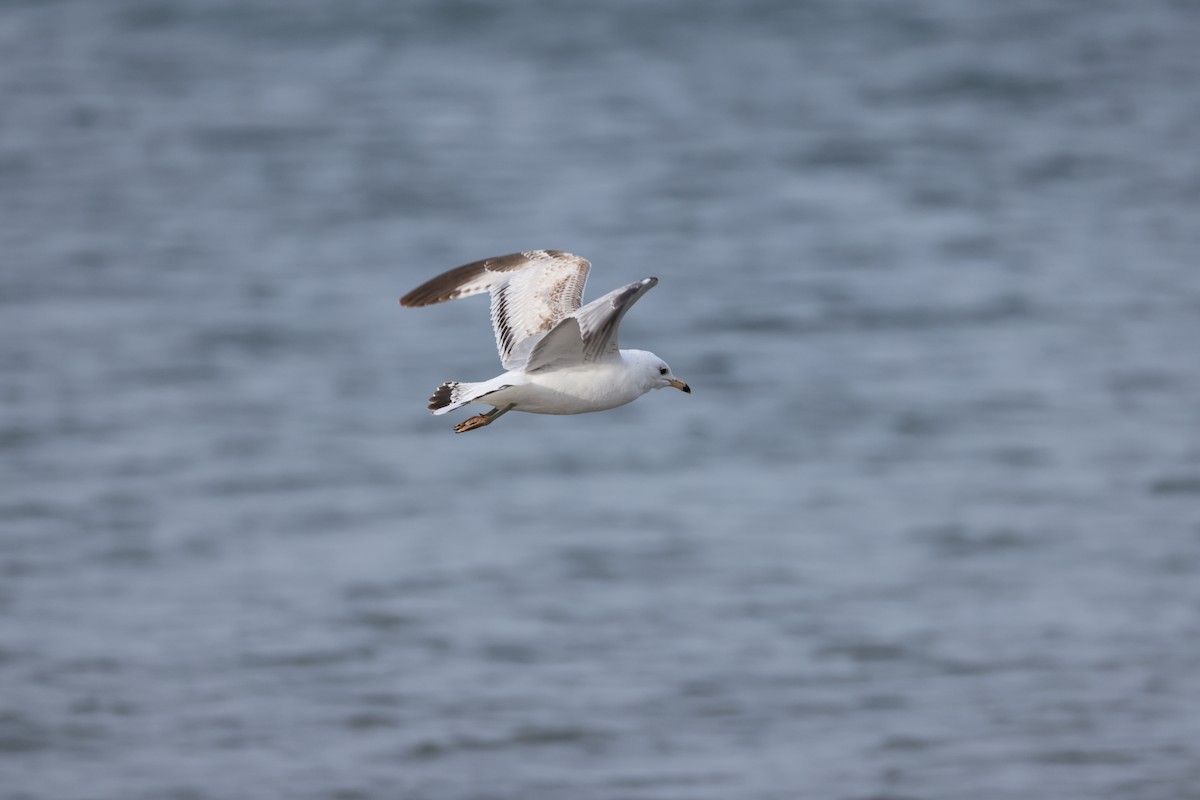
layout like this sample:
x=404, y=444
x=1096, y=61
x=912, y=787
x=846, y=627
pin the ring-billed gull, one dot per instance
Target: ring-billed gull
x=560, y=358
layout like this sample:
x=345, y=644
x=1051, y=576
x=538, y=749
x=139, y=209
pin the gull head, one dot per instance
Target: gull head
x=654, y=371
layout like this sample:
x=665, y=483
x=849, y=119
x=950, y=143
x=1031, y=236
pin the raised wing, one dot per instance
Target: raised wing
x=531, y=293
x=589, y=334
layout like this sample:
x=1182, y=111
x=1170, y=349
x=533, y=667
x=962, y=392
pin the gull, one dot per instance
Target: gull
x=560, y=357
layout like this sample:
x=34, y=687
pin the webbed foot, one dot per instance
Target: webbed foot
x=479, y=420
x=470, y=424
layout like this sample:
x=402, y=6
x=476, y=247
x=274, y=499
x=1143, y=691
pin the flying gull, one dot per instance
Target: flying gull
x=560, y=357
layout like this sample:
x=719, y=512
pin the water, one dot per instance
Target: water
x=929, y=526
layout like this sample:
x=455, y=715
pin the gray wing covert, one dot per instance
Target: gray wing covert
x=589, y=334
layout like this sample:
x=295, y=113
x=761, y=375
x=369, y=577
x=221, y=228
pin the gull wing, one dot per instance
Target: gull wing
x=590, y=333
x=531, y=293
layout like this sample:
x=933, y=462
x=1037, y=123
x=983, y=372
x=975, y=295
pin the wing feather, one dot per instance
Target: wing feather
x=531, y=292
x=590, y=333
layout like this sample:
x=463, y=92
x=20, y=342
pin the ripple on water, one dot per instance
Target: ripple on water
x=523, y=738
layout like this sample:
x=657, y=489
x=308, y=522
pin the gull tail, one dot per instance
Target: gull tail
x=453, y=394
x=449, y=396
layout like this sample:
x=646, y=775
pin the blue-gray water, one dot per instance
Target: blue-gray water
x=929, y=526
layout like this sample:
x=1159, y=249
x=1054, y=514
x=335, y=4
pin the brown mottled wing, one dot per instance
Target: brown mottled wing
x=476, y=277
x=531, y=292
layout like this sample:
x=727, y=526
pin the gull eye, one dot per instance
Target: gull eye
x=662, y=370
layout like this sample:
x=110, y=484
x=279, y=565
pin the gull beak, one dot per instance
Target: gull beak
x=681, y=386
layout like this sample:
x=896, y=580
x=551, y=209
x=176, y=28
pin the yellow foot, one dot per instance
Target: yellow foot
x=477, y=421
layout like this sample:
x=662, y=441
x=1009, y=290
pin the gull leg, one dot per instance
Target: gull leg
x=479, y=420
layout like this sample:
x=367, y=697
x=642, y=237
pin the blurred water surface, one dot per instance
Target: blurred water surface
x=927, y=528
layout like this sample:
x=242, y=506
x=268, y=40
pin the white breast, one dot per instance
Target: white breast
x=576, y=391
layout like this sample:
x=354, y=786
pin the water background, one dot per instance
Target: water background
x=928, y=527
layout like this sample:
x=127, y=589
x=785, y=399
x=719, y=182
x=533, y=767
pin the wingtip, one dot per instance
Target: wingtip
x=421, y=296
